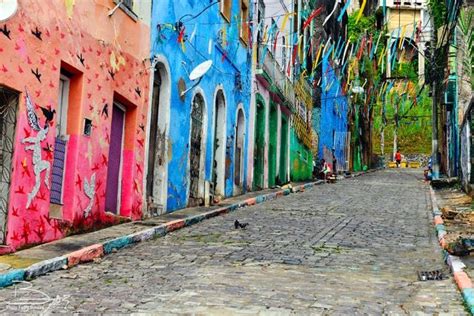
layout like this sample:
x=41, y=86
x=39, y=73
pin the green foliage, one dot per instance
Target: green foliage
x=406, y=70
x=365, y=24
x=438, y=11
x=414, y=130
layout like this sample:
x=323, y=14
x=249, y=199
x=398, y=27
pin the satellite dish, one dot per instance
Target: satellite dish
x=7, y=9
x=196, y=74
x=200, y=70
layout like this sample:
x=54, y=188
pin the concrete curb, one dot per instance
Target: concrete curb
x=93, y=252
x=455, y=263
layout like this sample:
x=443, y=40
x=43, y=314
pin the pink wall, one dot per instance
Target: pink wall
x=115, y=44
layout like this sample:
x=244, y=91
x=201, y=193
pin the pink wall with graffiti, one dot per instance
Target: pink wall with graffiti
x=107, y=61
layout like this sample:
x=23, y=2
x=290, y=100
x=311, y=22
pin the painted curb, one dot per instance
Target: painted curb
x=11, y=277
x=463, y=282
x=89, y=253
x=44, y=267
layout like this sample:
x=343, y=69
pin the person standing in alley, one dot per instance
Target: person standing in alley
x=334, y=162
x=398, y=158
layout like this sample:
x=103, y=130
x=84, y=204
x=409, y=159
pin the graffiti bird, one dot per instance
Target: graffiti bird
x=79, y=182
x=15, y=212
x=49, y=151
x=33, y=207
x=81, y=58
x=141, y=142
x=5, y=31
x=15, y=236
x=26, y=231
x=142, y=127
x=37, y=74
x=42, y=196
x=20, y=190
x=48, y=114
x=138, y=91
x=37, y=33
x=27, y=132
x=105, y=110
x=96, y=167
x=112, y=74
x=104, y=160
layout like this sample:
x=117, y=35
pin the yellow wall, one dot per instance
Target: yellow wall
x=403, y=17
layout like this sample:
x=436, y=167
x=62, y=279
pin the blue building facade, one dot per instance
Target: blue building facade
x=333, y=117
x=202, y=124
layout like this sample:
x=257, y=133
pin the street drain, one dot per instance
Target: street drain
x=435, y=275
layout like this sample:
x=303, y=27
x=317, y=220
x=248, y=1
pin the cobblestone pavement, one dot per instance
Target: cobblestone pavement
x=348, y=248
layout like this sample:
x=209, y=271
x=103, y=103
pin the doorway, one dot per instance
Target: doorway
x=218, y=164
x=284, y=151
x=113, y=190
x=8, y=112
x=195, y=151
x=239, y=153
x=259, y=151
x=272, y=150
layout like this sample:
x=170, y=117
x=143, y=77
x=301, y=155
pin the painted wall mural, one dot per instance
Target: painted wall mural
x=68, y=73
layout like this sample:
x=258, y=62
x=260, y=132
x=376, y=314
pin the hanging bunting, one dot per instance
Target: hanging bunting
x=332, y=12
x=361, y=11
x=314, y=14
x=343, y=11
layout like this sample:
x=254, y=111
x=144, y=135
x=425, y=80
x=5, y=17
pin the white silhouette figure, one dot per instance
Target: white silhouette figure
x=89, y=190
x=39, y=165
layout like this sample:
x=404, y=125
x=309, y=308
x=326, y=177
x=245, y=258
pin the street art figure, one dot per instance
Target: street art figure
x=39, y=165
x=89, y=190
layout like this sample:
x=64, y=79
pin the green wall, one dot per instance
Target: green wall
x=301, y=159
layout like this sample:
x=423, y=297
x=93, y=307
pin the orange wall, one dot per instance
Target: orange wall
x=115, y=44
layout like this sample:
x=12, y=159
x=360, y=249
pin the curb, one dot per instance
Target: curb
x=93, y=252
x=463, y=282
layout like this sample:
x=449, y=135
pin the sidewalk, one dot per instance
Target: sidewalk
x=67, y=252
x=451, y=213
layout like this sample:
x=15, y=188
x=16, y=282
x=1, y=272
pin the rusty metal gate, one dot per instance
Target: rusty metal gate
x=8, y=108
x=195, y=151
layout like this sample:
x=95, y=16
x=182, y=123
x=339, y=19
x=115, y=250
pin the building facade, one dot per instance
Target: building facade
x=74, y=96
x=202, y=123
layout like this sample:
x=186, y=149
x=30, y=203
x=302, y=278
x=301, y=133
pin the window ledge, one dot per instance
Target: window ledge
x=127, y=11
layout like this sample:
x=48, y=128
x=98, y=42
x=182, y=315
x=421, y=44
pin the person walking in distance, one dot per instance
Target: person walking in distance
x=398, y=158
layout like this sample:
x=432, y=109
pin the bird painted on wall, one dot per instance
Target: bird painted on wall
x=48, y=114
x=5, y=31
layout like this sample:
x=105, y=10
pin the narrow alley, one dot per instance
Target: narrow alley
x=349, y=248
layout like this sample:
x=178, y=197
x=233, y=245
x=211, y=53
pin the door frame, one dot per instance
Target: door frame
x=4, y=232
x=220, y=177
x=202, y=157
x=119, y=185
x=161, y=63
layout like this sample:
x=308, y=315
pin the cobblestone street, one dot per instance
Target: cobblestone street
x=348, y=248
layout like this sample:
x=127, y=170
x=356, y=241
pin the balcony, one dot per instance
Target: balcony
x=279, y=82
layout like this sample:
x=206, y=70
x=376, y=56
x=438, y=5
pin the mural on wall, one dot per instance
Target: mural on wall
x=39, y=46
x=89, y=190
x=39, y=165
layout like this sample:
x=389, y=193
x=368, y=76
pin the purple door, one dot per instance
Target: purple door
x=112, y=194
